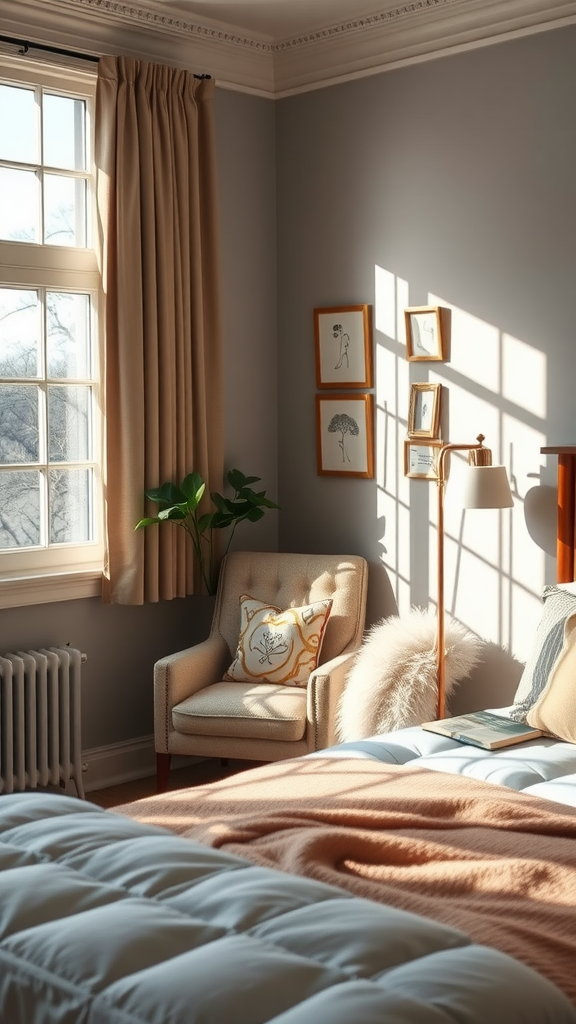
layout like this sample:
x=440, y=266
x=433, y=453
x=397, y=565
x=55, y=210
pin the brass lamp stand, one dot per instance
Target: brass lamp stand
x=486, y=486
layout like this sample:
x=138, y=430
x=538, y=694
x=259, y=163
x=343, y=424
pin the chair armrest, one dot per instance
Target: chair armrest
x=325, y=687
x=179, y=675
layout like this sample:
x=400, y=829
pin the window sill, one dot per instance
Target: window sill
x=66, y=586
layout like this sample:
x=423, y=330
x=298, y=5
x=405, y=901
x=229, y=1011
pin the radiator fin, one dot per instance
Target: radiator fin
x=40, y=724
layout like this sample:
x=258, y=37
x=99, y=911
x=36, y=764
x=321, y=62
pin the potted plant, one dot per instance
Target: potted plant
x=179, y=504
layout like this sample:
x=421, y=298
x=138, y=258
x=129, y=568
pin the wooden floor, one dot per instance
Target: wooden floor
x=209, y=770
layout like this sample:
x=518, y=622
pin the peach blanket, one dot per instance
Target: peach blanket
x=499, y=865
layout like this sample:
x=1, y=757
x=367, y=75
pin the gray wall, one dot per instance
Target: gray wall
x=454, y=179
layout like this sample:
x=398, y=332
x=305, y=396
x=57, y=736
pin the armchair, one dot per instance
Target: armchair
x=199, y=713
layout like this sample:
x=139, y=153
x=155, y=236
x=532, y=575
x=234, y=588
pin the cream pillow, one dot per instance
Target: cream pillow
x=278, y=646
x=555, y=710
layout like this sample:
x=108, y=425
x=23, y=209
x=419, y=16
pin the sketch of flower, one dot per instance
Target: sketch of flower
x=343, y=424
x=344, y=343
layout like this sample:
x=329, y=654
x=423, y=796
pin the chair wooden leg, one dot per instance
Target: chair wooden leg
x=162, y=772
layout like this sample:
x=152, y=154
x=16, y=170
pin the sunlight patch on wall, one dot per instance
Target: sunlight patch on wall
x=524, y=376
x=472, y=414
x=490, y=557
x=475, y=347
x=390, y=301
x=521, y=447
x=392, y=396
x=494, y=384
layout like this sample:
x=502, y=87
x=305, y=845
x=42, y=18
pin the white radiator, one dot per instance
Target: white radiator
x=40, y=732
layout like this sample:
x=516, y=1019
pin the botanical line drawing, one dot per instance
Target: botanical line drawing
x=343, y=424
x=344, y=343
x=271, y=644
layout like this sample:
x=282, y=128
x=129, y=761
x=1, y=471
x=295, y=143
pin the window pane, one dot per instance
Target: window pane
x=19, y=333
x=68, y=334
x=64, y=210
x=20, y=509
x=18, y=125
x=64, y=132
x=18, y=423
x=70, y=506
x=69, y=424
x=19, y=205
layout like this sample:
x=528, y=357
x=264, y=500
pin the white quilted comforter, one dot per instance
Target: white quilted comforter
x=107, y=921
x=543, y=767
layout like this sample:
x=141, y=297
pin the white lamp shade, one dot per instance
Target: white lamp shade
x=485, y=487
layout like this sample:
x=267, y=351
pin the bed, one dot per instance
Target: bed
x=403, y=878
x=270, y=905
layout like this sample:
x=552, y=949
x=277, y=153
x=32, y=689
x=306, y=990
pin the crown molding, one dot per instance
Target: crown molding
x=107, y=27
x=410, y=32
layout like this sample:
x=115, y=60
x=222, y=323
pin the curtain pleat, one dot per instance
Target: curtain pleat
x=157, y=210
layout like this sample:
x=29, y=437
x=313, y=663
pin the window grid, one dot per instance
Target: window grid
x=68, y=395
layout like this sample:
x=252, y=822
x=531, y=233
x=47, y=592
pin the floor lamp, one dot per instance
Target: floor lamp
x=485, y=486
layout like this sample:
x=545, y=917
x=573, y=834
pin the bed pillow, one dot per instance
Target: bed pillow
x=559, y=603
x=278, y=646
x=555, y=710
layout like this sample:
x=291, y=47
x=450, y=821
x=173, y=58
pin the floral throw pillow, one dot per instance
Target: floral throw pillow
x=278, y=646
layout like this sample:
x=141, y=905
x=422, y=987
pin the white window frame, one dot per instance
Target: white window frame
x=70, y=571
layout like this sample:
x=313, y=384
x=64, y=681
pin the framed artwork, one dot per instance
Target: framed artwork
x=343, y=336
x=424, y=410
x=426, y=332
x=345, y=435
x=421, y=458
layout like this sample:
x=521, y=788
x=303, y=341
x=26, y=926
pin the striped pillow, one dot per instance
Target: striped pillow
x=559, y=600
x=555, y=710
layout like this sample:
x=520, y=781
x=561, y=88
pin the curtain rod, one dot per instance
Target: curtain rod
x=26, y=46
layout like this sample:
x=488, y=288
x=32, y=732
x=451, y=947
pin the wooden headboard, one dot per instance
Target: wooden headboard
x=565, y=530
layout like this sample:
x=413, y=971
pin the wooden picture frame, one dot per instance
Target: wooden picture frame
x=424, y=410
x=345, y=435
x=343, y=341
x=426, y=330
x=421, y=458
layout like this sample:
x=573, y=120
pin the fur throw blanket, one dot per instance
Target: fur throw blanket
x=392, y=682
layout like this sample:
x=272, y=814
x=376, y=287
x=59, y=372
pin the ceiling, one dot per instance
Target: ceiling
x=277, y=48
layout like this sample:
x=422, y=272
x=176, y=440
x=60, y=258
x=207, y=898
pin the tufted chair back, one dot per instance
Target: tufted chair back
x=289, y=581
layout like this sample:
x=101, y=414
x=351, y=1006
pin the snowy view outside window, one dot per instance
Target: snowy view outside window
x=49, y=398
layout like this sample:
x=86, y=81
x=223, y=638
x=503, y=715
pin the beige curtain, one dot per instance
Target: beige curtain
x=157, y=211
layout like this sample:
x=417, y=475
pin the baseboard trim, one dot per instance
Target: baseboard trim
x=118, y=763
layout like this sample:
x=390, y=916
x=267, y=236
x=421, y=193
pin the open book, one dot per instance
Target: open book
x=483, y=729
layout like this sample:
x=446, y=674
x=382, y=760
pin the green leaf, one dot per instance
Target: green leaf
x=147, y=522
x=237, y=479
x=167, y=494
x=221, y=520
x=254, y=515
x=206, y=521
x=172, y=513
x=218, y=500
x=193, y=488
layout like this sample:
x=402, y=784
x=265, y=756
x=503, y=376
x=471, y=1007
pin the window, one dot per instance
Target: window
x=50, y=405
